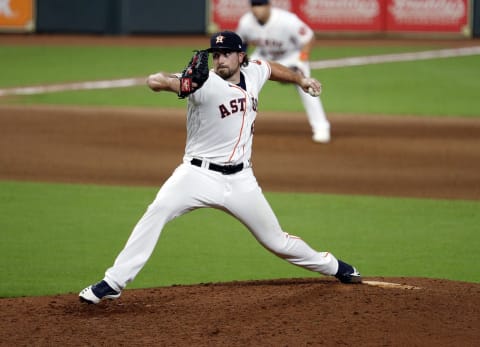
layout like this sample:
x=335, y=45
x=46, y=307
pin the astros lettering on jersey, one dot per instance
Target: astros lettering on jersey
x=229, y=141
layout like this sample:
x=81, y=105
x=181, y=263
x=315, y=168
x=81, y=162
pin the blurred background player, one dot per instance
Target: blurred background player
x=281, y=36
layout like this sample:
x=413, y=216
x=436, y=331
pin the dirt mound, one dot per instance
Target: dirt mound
x=291, y=312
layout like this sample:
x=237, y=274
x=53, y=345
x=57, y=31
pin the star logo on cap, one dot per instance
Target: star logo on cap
x=219, y=39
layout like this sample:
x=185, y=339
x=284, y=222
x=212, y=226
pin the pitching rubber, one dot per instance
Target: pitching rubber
x=389, y=285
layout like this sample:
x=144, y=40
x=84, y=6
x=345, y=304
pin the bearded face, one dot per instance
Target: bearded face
x=227, y=64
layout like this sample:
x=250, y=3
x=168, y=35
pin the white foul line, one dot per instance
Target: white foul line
x=121, y=83
x=399, y=57
x=316, y=65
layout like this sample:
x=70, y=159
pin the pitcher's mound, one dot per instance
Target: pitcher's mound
x=289, y=312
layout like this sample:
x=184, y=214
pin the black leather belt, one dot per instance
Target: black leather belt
x=224, y=169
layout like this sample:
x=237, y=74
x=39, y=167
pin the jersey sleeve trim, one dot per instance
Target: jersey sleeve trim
x=269, y=69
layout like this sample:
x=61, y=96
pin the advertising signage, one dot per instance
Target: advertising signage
x=377, y=16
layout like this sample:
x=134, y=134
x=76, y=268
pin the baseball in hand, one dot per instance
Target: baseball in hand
x=312, y=92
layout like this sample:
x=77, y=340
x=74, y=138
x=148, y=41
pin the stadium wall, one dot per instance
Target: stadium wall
x=121, y=16
x=476, y=18
x=420, y=18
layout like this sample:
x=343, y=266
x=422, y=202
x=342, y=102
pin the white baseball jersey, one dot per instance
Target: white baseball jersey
x=221, y=130
x=280, y=39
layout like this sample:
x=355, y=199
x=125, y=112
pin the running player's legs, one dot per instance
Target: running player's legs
x=247, y=203
x=188, y=188
x=315, y=111
x=313, y=106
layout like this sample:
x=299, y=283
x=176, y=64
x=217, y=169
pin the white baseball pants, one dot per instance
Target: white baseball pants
x=191, y=187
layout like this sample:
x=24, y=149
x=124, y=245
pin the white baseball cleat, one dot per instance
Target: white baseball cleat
x=96, y=292
x=321, y=135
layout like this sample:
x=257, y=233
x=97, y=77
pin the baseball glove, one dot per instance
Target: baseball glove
x=196, y=72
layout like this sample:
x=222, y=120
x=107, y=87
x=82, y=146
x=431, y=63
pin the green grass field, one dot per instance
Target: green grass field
x=57, y=238
x=440, y=87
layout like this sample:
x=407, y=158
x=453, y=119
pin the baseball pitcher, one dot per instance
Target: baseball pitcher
x=216, y=170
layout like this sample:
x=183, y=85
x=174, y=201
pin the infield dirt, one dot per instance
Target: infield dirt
x=386, y=156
